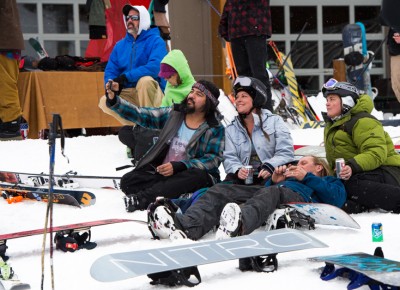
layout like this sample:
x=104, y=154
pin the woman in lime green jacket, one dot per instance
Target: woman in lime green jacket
x=372, y=167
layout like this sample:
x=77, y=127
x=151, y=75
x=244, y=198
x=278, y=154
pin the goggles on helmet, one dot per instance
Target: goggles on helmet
x=242, y=82
x=333, y=84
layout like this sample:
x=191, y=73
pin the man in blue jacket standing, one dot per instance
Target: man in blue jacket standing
x=135, y=62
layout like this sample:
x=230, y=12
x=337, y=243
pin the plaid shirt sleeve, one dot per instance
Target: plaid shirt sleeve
x=154, y=118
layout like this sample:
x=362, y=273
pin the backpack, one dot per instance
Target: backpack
x=349, y=125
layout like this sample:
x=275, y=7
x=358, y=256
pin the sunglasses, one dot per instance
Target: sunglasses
x=132, y=17
x=333, y=84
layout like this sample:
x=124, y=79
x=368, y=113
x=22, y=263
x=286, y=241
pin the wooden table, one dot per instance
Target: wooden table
x=73, y=95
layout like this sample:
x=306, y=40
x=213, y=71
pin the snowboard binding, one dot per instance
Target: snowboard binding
x=70, y=241
x=176, y=277
x=6, y=271
x=287, y=217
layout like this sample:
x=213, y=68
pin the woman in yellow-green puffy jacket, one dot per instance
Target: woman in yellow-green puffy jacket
x=372, y=167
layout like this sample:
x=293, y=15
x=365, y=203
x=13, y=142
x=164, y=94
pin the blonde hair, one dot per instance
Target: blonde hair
x=321, y=161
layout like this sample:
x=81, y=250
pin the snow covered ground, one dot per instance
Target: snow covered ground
x=100, y=155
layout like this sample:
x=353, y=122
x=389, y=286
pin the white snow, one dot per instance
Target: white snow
x=100, y=155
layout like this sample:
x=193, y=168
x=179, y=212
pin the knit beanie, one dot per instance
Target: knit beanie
x=166, y=71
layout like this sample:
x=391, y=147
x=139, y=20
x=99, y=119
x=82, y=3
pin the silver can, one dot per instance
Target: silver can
x=250, y=171
x=339, y=163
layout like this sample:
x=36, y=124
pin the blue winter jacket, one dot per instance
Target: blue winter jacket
x=328, y=189
x=137, y=58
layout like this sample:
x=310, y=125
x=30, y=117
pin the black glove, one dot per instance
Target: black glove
x=120, y=80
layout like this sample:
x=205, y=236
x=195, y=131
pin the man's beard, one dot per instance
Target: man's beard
x=186, y=108
x=133, y=30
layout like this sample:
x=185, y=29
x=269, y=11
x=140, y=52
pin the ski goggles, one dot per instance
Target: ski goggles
x=132, y=17
x=242, y=82
x=333, y=84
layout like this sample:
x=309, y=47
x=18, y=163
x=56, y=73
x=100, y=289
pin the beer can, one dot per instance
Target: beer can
x=24, y=129
x=339, y=162
x=249, y=178
x=377, y=232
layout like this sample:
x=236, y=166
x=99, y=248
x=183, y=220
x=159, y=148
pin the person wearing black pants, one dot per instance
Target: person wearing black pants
x=308, y=181
x=248, y=33
x=250, y=55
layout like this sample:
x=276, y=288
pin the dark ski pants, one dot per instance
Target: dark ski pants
x=256, y=203
x=148, y=185
x=375, y=189
x=250, y=55
x=125, y=135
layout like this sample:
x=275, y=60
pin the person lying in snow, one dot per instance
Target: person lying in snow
x=240, y=209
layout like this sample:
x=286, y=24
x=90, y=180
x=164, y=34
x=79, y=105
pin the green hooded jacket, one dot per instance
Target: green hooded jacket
x=369, y=147
x=175, y=94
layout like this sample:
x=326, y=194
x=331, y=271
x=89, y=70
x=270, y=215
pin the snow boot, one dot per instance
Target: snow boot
x=230, y=222
x=163, y=224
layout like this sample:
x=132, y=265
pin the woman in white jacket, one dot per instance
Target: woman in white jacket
x=256, y=137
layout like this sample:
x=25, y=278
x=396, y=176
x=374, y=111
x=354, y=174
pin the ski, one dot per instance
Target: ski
x=70, y=179
x=62, y=230
x=121, y=266
x=61, y=196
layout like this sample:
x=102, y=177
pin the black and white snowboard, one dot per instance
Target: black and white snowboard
x=121, y=266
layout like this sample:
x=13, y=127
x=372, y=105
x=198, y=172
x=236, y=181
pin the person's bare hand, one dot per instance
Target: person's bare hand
x=243, y=173
x=165, y=169
x=346, y=172
x=396, y=37
x=296, y=171
x=278, y=174
x=264, y=174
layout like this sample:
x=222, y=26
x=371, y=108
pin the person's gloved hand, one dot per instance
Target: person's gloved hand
x=120, y=80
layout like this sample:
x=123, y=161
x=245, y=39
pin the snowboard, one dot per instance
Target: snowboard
x=325, y=214
x=65, y=229
x=353, y=54
x=38, y=47
x=12, y=282
x=379, y=269
x=70, y=179
x=366, y=76
x=61, y=196
x=318, y=151
x=13, y=285
x=121, y=266
x=298, y=103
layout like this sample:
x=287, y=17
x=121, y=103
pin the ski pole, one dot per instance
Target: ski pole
x=292, y=48
x=358, y=78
